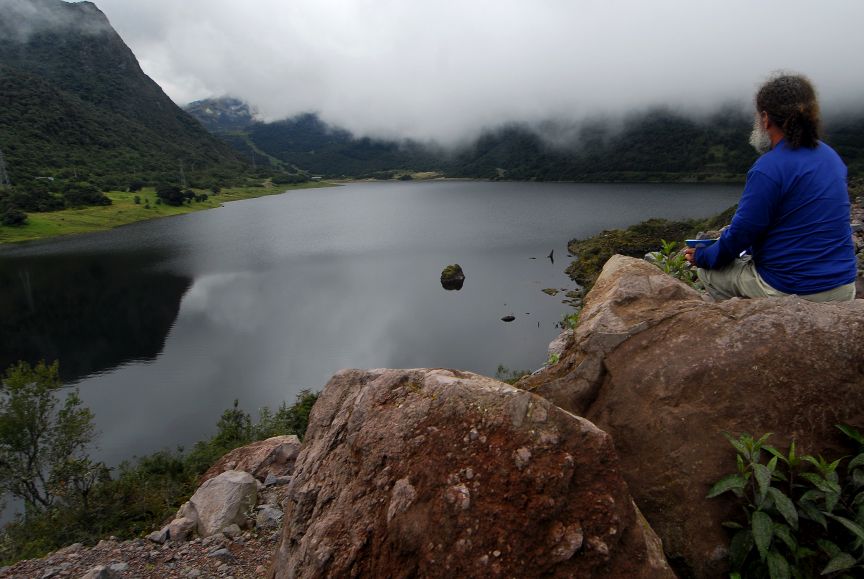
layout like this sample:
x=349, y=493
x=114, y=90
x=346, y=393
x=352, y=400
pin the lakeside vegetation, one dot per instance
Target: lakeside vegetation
x=69, y=498
x=635, y=241
x=124, y=210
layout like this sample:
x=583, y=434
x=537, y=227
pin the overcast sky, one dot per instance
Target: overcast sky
x=444, y=69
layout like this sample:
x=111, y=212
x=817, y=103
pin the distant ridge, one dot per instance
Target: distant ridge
x=652, y=145
x=75, y=102
x=220, y=115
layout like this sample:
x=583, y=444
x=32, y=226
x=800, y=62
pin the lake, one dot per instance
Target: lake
x=162, y=324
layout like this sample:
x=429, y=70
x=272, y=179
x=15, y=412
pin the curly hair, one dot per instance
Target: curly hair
x=791, y=103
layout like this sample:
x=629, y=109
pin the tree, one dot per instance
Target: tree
x=42, y=441
x=170, y=195
x=293, y=419
x=82, y=193
x=12, y=217
x=234, y=428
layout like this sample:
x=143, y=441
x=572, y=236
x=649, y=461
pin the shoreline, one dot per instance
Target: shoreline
x=684, y=179
x=124, y=211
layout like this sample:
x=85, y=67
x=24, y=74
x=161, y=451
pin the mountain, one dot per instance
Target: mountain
x=75, y=102
x=220, y=115
x=656, y=144
x=307, y=143
x=653, y=144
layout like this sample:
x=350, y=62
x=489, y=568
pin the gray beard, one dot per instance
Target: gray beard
x=759, y=138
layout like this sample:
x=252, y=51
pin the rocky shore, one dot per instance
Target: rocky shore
x=229, y=528
x=247, y=555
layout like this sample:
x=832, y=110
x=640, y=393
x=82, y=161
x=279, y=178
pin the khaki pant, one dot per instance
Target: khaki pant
x=740, y=279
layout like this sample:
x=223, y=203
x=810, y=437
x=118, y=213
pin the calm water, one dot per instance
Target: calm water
x=162, y=324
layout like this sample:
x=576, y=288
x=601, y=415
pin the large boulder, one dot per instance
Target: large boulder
x=272, y=457
x=665, y=373
x=223, y=501
x=439, y=473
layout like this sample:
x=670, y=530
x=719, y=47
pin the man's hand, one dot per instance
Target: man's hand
x=690, y=255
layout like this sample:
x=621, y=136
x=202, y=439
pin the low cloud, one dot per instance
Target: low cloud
x=20, y=19
x=445, y=70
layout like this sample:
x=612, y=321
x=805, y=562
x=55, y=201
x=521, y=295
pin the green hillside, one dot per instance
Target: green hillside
x=75, y=103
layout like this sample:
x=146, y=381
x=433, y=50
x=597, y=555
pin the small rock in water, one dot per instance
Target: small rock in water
x=509, y=318
x=452, y=277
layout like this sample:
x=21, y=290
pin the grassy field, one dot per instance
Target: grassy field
x=124, y=210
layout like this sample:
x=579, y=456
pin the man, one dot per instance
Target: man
x=793, y=217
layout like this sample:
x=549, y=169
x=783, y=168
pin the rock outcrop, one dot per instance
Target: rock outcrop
x=666, y=373
x=439, y=473
x=224, y=501
x=273, y=457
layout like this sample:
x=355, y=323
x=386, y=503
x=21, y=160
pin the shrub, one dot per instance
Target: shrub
x=33, y=197
x=570, y=320
x=13, y=217
x=803, y=516
x=288, y=419
x=290, y=179
x=170, y=195
x=672, y=262
x=81, y=193
x=145, y=491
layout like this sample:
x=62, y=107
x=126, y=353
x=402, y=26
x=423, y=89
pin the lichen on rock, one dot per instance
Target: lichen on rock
x=441, y=473
x=665, y=373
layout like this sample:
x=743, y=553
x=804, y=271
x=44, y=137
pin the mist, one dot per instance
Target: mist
x=445, y=70
x=23, y=18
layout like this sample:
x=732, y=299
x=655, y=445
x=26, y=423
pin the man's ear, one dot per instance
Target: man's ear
x=765, y=119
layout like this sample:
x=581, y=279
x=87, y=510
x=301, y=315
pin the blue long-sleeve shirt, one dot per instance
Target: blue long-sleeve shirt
x=793, y=218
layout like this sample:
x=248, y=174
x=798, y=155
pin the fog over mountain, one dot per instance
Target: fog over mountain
x=444, y=70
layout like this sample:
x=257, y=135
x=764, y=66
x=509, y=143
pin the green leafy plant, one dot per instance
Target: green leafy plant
x=803, y=516
x=570, y=321
x=672, y=262
x=553, y=359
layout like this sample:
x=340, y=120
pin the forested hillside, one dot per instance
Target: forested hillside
x=654, y=144
x=74, y=103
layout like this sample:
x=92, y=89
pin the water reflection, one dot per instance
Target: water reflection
x=163, y=324
x=92, y=312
